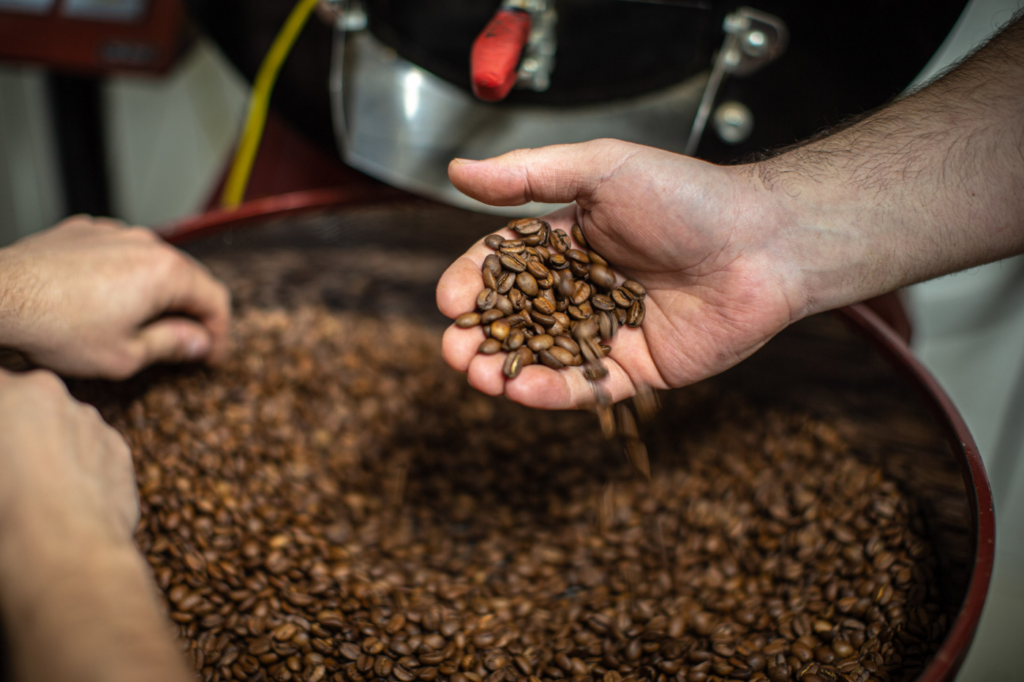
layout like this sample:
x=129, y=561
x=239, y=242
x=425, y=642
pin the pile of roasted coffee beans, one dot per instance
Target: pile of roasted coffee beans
x=334, y=503
x=545, y=301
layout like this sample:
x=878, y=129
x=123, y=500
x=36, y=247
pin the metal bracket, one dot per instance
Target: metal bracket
x=752, y=40
x=539, y=54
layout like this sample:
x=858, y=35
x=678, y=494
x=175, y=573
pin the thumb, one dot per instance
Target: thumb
x=556, y=174
x=173, y=339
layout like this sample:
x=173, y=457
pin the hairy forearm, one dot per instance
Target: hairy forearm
x=931, y=184
x=84, y=614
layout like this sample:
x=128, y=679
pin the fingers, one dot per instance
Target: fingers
x=555, y=174
x=197, y=293
x=171, y=339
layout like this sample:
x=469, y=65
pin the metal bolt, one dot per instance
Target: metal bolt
x=733, y=122
x=755, y=43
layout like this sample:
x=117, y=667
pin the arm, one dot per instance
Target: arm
x=732, y=255
x=75, y=595
x=929, y=185
x=91, y=297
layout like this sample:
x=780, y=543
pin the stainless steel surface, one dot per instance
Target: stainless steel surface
x=539, y=54
x=752, y=40
x=401, y=124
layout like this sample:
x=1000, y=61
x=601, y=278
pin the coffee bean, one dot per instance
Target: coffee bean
x=511, y=247
x=516, y=361
x=635, y=288
x=500, y=329
x=577, y=256
x=636, y=314
x=566, y=342
x=557, y=262
x=538, y=270
x=548, y=360
x=493, y=241
x=513, y=263
x=489, y=347
x=506, y=280
x=539, y=343
x=467, y=320
x=489, y=316
x=602, y=302
x=504, y=305
x=559, y=242
x=543, y=306
x=490, y=282
x=527, y=284
x=486, y=299
x=527, y=226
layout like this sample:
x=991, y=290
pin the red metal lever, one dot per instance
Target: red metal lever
x=494, y=60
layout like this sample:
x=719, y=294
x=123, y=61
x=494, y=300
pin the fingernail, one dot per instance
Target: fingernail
x=197, y=347
x=465, y=161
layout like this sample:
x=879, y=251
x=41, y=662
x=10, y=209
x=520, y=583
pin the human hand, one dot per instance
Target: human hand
x=65, y=473
x=704, y=240
x=91, y=297
x=76, y=597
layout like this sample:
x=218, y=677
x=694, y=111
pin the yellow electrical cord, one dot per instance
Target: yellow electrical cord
x=259, y=102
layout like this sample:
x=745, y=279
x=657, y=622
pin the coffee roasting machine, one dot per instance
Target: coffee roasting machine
x=400, y=87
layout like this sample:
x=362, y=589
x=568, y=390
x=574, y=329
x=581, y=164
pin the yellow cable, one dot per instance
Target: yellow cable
x=259, y=102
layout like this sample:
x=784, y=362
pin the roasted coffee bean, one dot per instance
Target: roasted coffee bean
x=512, y=262
x=518, y=299
x=622, y=297
x=566, y=342
x=506, y=280
x=504, y=305
x=538, y=270
x=543, y=306
x=636, y=314
x=527, y=284
x=516, y=361
x=490, y=281
x=467, y=320
x=577, y=234
x=500, y=329
x=527, y=226
x=489, y=316
x=486, y=299
x=511, y=247
x=602, y=302
x=541, y=342
x=634, y=288
x=515, y=339
x=493, y=263
x=577, y=256
x=537, y=239
x=549, y=360
x=557, y=262
x=489, y=347
x=580, y=294
x=578, y=269
x=493, y=241
x=559, y=242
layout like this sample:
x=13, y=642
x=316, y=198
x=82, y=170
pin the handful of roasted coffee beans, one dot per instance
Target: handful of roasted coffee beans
x=546, y=301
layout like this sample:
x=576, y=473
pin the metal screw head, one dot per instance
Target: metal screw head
x=755, y=43
x=733, y=122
